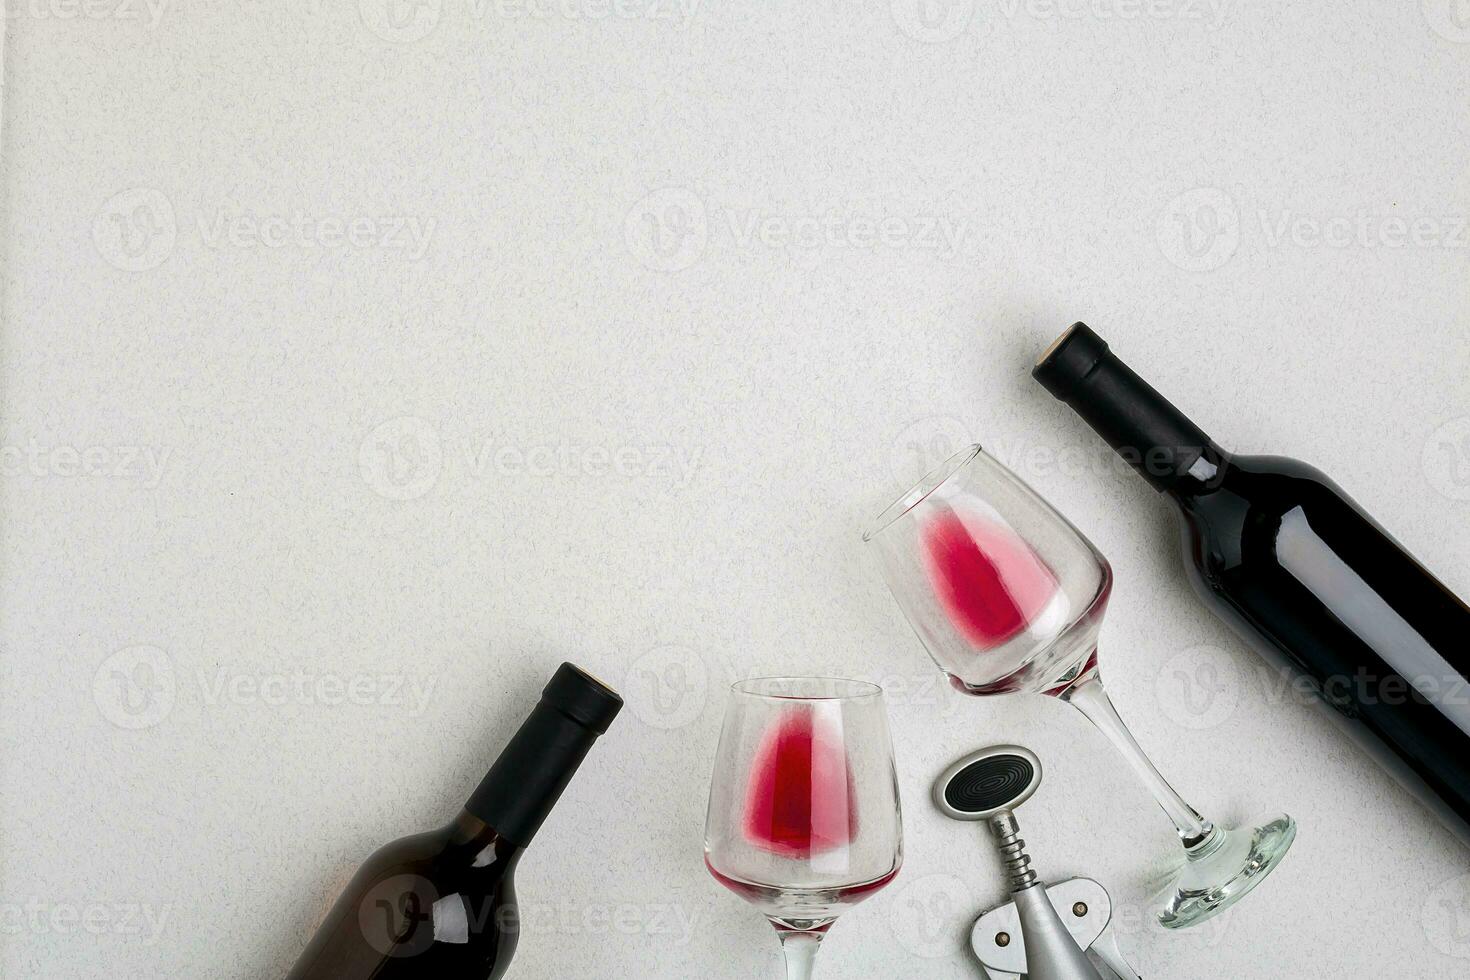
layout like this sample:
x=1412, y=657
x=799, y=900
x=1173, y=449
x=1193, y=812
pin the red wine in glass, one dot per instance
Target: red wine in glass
x=991, y=583
x=804, y=820
x=799, y=801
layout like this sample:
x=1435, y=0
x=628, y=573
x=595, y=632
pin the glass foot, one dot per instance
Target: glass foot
x=1220, y=870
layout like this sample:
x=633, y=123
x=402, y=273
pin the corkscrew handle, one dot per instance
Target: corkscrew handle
x=1003, y=942
x=1051, y=951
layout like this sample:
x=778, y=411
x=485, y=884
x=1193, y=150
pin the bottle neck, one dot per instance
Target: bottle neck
x=1159, y=441
x=1204, y=476
x=524, y=784
x=482, y=844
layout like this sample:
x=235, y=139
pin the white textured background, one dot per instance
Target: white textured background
x=362, y=362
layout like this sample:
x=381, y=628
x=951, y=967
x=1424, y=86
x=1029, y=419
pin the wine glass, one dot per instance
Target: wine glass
x=803, y=818
x=1008, y=597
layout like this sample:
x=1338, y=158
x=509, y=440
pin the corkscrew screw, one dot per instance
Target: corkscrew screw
x=1044, y=932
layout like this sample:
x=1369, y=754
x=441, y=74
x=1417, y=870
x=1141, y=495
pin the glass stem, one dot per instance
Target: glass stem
x=801, y=952
x=1089, y=697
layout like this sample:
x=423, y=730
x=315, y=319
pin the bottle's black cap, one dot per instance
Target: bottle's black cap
x=1158, y=440
x=582, y=697
x=1069, y=360
x=523, y=785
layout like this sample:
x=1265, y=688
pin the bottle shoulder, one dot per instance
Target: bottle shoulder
x=446, y=851
x=1251, y=487
x=1238, y=522
x=412, y=849
x=1277, y=467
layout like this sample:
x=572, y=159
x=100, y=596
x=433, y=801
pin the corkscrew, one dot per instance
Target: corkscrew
x=1044, y=932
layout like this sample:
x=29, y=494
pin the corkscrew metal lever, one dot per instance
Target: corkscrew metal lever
x=1040, y=934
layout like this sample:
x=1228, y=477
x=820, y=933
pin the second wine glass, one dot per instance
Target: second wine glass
x=1008, y=597
x=804, y=819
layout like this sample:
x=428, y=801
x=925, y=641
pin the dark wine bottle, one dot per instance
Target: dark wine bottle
x=1302, y=572
x=443, y=904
